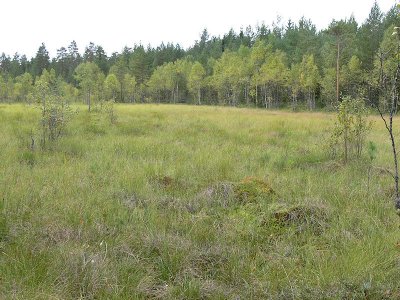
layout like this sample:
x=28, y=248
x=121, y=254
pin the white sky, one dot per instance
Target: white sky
x=25, y=24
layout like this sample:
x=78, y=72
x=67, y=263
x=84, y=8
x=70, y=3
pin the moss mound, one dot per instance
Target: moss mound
x=302, y=216
x=253, y=189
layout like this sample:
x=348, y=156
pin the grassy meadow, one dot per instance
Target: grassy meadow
x=185, y=202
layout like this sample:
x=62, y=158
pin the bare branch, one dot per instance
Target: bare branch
x=384, y=171
x=392, y=92
x=382, y=117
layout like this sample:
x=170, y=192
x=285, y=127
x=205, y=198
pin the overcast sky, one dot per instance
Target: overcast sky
x=113, y=24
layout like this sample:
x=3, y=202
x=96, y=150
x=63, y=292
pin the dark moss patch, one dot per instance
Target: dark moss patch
x=314, y=216
x=252, y=189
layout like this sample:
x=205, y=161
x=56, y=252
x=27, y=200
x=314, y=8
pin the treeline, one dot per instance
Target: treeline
x=268, y=66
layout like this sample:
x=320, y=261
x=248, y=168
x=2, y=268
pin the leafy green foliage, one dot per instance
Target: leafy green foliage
x=351, y=128
x=108, y=108
x=89, y=77
x=195, y=80
x=111, y=85
x=372, y=150
x=55, y=110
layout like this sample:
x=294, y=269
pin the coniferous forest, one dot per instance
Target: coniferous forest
x=282, y=65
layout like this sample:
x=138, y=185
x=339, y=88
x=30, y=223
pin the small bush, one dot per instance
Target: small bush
x=55, y=116
x=351, y=129
x=107, y=107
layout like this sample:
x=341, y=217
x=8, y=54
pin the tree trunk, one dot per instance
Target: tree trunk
x=265, y=96
x=294, y=101
x=256, y=95
x=122, y=98
x=345, y=146
x=393, y=109
x=246, y=95
x=89, y=99
x=177, y=93
x=396, y=169
x=199, y=96
x=43, y=120
x=337, y=72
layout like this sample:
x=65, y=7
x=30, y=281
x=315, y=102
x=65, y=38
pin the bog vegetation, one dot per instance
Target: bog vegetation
x=193, y=202
x=100, y=200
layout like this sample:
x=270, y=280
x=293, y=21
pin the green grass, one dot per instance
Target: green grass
x=184, y=202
